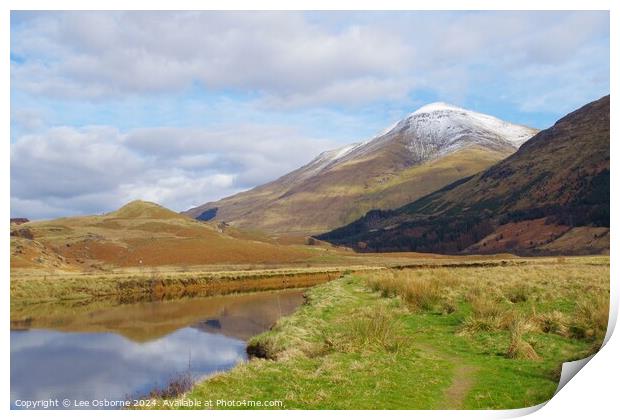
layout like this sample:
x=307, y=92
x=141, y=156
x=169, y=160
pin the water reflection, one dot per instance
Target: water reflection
x=109, y=352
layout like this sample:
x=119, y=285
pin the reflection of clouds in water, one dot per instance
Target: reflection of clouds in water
x=48, y=364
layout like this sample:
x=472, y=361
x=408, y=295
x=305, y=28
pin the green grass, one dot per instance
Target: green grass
x=397, y=339
x=333, y=354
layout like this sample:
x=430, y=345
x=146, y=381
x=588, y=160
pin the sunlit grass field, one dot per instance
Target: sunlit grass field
x=477, y=337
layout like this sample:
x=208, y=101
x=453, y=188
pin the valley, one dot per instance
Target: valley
x=455, y=261
x=285, y=208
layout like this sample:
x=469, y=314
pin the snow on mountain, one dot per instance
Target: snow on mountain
x=440, y=111
x=325, y=159
x=436, y=106
x=437, y=129
x=430, y=132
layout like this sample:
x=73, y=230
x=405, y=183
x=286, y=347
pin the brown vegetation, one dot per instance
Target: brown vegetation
x=144, y=234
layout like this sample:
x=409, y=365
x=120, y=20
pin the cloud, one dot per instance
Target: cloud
x=86, y=366
x=66, y=170
x=292, y=59
x=26, y=120
x=94, y=55
x=187, y=107
x=65, y=162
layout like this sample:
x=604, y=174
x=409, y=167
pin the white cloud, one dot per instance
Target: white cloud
x=94, y=55
x=135, y=69
x=26, y=120
x=65, y=170
x=294, y=59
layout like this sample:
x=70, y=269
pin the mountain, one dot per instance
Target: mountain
x=430, y=148
x=138, y=234
x=550, y=197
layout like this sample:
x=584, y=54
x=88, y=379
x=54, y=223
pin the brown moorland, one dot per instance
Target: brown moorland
x=138, y=234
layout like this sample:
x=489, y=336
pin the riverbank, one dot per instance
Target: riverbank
x=160, y=285
x=134, y=284
x=462, y=337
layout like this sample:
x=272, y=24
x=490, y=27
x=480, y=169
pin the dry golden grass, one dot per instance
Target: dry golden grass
x=373, y=328
x=417, y=288
x=156, y=284
x=486, y=315
x=142, y=235
x=554, y=322
x=568, y=297
x=519, y=348
x=591, y=317
x=145, y=234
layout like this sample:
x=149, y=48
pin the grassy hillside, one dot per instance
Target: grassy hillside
x=139, y=234
x=387, y=179
x=558, y=181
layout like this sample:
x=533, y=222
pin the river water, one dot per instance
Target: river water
x=103, y=351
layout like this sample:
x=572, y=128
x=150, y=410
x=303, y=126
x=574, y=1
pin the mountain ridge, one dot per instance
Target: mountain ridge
x=559, y=178
x=353, y=179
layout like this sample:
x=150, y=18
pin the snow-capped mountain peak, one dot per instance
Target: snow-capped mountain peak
x=439, y=128
x=338, y=185
x=432, y=131
x=437, y=106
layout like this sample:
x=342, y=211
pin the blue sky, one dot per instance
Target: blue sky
x=187, y=107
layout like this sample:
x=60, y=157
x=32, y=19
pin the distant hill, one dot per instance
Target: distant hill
x=429, y=149
x=19, y=220
x=138, y=234
x=552, y=196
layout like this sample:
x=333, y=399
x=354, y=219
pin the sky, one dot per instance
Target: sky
x=182, y=108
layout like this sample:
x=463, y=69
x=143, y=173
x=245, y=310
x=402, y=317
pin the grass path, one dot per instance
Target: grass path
x=462, y=383
x=463, y=377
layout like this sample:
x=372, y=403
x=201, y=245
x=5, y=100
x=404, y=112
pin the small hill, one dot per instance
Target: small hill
x=434, y=146
x=552, y=196
x=140, y=234
x=139, y=209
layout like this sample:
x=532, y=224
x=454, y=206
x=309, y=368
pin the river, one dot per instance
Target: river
x=103, y=351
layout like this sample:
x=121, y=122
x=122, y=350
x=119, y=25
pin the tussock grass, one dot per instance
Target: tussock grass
x=590, y=319
x=358, y=330
x=305, y=334
x=563, y=298
x=518, y=292
x=554, y=322
x=519, y=348
x=486, y=315
x=420, y=291
x=370, y=329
